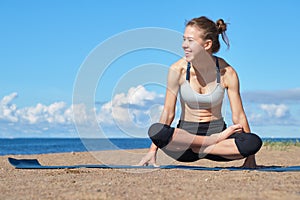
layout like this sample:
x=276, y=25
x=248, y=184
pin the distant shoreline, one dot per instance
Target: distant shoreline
x=112, y=138
x=33, y=146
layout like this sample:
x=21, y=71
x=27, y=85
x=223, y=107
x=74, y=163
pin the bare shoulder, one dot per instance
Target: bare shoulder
x=228, y=73
x=226, y=69
x=177, y=71
x=179, y=65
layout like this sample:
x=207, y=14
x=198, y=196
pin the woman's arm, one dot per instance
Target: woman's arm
x=238, y=113
x=233, y=90
x=168, y=112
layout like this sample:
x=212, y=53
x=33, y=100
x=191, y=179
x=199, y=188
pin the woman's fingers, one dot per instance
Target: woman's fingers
x=149, y=159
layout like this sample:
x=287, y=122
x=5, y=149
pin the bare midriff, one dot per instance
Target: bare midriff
x=200, y=115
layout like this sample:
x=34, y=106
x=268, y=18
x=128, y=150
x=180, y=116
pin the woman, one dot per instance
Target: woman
x=201, y=80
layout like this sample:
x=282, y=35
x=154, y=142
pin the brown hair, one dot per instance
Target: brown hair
x=211, y=30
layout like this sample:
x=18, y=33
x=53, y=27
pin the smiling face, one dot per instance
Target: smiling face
x=193, y=44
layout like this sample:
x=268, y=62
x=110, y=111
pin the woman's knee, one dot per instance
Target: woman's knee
x=248, y=143
x=160, y=134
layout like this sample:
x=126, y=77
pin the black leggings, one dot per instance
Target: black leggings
x=161, y=134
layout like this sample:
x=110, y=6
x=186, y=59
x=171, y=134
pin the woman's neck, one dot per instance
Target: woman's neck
x=204, y=62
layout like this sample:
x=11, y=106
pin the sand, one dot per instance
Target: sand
x=149, y=184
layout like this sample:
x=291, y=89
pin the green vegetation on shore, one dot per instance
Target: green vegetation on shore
x=279, y=145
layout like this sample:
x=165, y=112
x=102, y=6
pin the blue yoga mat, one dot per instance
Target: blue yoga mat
x=34, y=164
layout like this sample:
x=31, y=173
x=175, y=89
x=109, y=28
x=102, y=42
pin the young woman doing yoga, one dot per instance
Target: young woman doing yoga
x=200, y=79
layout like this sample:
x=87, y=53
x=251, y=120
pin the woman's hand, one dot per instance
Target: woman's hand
x=237, y=128
x=218, y=137
x=149, y=159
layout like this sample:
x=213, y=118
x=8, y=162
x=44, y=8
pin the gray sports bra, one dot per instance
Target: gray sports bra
x=201, y=101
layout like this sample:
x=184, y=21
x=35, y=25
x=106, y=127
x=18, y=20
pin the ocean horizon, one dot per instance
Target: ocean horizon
x=30, y=146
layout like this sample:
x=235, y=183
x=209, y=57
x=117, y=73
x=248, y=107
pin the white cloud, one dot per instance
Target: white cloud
x=33, y=119
x=128, y=108
x=277, y=111
x=139, y=95
x=131, y=112
x=276, y=96
x=272, y=108
x=272, y=114
x=7, y=110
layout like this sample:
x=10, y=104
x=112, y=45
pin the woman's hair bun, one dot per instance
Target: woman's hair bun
x=221, y=26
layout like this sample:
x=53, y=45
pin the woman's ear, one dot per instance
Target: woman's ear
x=207, y=44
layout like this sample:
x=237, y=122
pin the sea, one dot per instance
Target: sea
x=29, y=146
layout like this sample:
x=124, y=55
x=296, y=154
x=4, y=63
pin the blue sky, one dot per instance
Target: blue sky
x=45, y=43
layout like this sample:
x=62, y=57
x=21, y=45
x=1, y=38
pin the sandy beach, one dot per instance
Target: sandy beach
x=149, y=184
